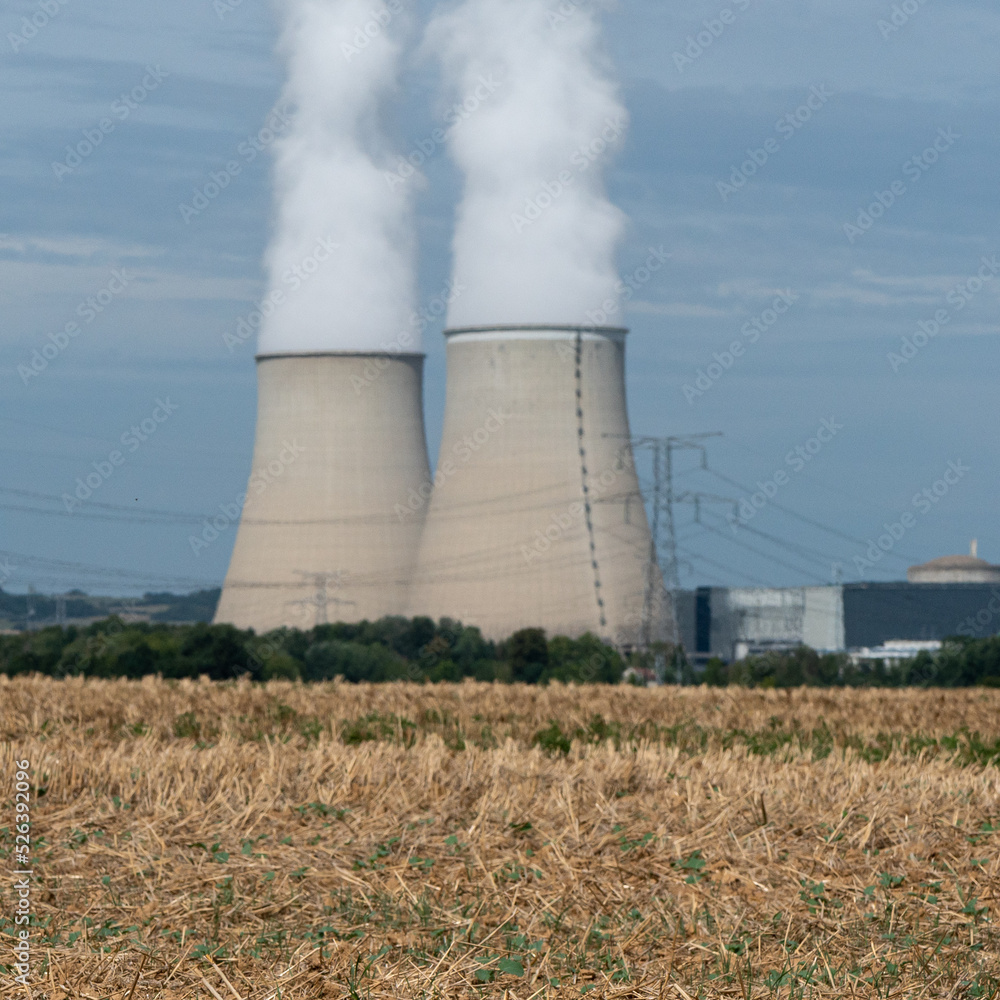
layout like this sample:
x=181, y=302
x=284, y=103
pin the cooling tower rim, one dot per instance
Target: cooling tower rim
x=535, y=331
x=289, y=355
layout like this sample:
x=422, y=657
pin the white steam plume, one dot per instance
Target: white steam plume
x=341, y=260
x=536, y=235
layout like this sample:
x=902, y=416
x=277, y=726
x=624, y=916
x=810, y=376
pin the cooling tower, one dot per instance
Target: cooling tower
x=537, y=517
x=340, y=440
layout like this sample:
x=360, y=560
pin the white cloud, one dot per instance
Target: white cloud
x=691, y=310
x=859, y=296
x=80, y=247
x=22, y=282
x=747, y=288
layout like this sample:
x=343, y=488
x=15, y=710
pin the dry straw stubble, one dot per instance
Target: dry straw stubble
x=410, y=841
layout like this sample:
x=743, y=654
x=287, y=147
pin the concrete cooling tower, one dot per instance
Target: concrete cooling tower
x=340, y=443
x=536, y=517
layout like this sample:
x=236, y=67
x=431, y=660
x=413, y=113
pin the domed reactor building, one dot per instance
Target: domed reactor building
x=955, y=569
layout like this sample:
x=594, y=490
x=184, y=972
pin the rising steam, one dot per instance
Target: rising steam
x=341, y=261
x=536, y=235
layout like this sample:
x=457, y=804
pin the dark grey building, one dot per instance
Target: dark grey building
x=877, y=612
x=730, y=622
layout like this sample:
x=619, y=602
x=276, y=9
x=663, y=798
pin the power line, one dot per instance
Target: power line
x=64, y=567
x=84, y=515
x=725, y=569
x=141, y=515
x=802, y=551
x=665, y=497
x=798, y=549
x=808, y=520
x=764, y=555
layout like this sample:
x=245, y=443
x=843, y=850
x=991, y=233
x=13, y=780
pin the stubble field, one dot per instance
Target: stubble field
x=210, y=840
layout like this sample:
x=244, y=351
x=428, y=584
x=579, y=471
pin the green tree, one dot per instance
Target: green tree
x=527, y=652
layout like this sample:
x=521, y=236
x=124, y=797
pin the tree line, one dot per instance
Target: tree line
x=390, y=649
x=961, y=662
x=419, y=649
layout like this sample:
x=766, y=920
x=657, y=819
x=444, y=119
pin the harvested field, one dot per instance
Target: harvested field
x=210, y=840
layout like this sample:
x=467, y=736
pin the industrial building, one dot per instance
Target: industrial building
x=731, y=623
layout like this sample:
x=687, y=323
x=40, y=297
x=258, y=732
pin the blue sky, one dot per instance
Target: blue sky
x=836, y=354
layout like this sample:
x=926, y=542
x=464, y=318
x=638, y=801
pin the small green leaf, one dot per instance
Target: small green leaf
x=511, y=966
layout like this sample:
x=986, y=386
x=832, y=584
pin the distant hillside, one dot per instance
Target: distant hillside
x=197, y=607
x=80, y=607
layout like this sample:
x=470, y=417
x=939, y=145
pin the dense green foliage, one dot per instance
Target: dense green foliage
x=961, y=662
x=385, y=650
x=422, y=650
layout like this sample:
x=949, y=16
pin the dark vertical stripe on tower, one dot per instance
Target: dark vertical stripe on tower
x=588, y=513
